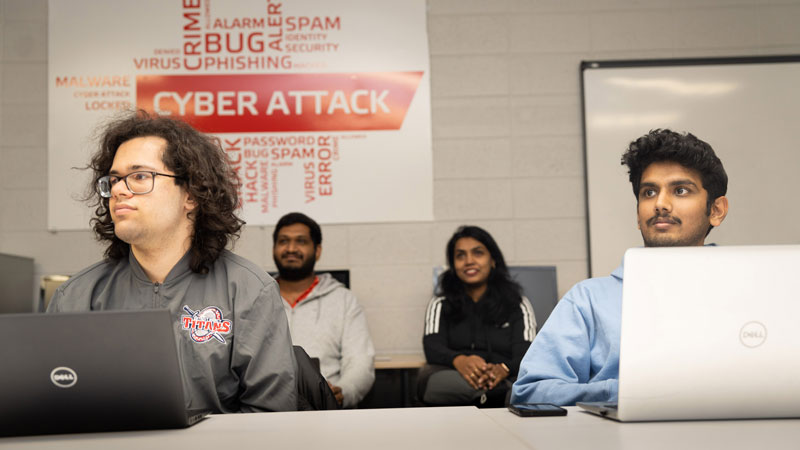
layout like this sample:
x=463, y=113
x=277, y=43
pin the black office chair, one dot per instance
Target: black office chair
x=313, y=392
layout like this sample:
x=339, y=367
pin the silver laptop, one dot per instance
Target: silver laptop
x=98, y=371
x=709, y=333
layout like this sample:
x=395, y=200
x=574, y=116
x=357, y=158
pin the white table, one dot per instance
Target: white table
x=401, y=429
x=463, y=428
x=581, y=430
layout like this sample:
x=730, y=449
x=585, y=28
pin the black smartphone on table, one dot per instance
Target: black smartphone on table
x=536, y=409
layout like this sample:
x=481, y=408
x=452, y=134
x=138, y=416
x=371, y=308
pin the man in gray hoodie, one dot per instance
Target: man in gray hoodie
x=165, y=199
x=324, y=316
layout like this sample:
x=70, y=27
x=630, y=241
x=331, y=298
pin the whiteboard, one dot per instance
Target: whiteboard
x=747, y=109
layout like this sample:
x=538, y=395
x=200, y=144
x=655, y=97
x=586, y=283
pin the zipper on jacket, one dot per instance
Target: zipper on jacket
x=155, y=294
x=473, y=330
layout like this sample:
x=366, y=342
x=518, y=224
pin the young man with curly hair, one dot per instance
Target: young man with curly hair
x=165, y=202
x=680, y=187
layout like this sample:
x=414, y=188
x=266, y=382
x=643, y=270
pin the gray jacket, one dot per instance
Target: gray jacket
x=232, y=336
x=330, y=325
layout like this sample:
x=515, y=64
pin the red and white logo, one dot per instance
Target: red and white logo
x=206, y=324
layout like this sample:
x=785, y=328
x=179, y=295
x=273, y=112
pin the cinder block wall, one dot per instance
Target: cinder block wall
x=507, y=145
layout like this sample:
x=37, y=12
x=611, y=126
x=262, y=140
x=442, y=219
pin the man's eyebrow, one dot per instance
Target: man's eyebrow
x=681, y=182
x=646, y=184
x=685, y=182
x=293, y=236
x=132, y=168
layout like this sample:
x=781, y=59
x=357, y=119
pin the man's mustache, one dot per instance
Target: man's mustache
x=664, y=218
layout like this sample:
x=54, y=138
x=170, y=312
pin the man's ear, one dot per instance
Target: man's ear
x=638, y=220
x=317, y=252
x=189, y=204
x=719, y=210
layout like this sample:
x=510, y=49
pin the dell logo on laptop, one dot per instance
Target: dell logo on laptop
x=753, y=334
x=63, y=377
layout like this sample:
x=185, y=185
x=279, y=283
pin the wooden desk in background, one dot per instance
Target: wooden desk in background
x=399, y=361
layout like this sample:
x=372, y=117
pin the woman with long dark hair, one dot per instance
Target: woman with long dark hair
x=477, y=327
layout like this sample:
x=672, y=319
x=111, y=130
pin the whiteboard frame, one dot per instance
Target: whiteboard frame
x=587, y=67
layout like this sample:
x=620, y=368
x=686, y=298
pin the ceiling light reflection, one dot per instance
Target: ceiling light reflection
x=676, y=86
x=653, y=120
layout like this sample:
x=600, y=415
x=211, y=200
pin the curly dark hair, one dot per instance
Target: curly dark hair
x=685, y=149
x=203, y=170
x=502, y=295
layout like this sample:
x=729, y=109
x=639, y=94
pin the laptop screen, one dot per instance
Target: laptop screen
x=710, y=332
x=96, y=371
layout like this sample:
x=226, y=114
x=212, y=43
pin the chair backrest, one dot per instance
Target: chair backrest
x=313, y=392
x=538, y=285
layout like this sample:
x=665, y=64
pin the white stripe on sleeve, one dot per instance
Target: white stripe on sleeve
x=432, y=316
x=528, y=319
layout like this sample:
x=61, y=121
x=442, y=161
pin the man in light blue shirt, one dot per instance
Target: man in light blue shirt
x=680, y=187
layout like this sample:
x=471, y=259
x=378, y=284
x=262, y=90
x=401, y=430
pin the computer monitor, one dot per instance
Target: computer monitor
x=17, y=286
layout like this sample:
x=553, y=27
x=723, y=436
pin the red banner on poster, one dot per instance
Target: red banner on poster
x=282, y=102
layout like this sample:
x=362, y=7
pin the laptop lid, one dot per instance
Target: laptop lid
x=97, y=371
x=710, y=333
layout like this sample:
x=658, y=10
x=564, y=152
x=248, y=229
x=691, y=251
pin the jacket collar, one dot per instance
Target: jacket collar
x=178, y=271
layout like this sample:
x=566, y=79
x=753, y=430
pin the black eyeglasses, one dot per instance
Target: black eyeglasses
x=140, y=182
